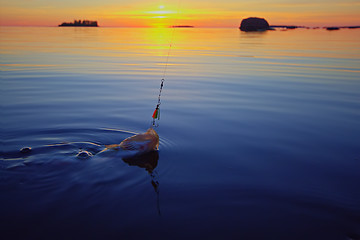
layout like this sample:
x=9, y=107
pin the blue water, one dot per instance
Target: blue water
x=259, y=134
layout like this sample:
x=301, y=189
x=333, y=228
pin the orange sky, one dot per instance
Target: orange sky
x=164, y=13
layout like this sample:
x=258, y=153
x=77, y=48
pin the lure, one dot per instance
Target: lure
x=156, y=114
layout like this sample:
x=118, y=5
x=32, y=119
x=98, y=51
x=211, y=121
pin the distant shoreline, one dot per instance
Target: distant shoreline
x=182, y=26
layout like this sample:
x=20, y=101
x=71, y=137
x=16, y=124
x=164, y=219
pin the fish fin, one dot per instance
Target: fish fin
x=112, y=146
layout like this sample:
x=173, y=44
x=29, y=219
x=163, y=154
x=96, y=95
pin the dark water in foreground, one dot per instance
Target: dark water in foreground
x=259, y=134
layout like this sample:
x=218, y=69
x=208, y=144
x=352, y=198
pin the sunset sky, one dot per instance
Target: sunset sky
x=163, y=13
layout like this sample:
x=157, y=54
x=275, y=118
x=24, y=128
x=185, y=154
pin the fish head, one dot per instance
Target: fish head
x=143, y=142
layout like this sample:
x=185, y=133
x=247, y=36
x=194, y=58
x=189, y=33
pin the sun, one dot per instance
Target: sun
x=161, y=16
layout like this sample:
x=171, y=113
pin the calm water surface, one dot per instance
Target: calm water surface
x=259, y=134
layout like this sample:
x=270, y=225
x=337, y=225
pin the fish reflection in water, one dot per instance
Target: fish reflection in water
x=139, y=150
x=149, y=162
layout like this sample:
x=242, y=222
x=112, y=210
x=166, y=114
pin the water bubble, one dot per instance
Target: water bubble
x=25, y=150
x=84, y=154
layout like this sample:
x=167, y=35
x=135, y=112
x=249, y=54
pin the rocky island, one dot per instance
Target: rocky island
x=79, y=23
x=253, y=24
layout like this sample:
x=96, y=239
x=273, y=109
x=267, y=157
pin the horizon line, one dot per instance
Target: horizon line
x=193, y=26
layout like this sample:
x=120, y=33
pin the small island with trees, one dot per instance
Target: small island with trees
x=79, y=23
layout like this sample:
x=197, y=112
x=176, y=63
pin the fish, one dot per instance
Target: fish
x=140, y=143
x=130, y=147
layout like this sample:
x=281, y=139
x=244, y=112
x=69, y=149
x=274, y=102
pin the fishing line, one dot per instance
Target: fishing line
x=156, y=113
